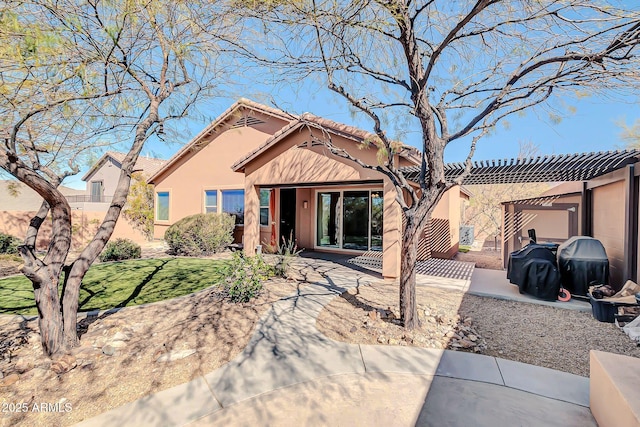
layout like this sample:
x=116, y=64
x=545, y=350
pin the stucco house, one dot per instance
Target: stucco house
x=88, y=206
x=270, y=169
x=102, y=178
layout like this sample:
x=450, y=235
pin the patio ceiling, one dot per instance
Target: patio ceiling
x=555, y=168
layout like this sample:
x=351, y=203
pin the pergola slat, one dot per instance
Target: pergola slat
x=554, y=168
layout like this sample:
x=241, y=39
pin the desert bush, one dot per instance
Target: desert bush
x=285, y=253
x=120, y=249
x=244, y=277
x=8, y=244
x=200, y=234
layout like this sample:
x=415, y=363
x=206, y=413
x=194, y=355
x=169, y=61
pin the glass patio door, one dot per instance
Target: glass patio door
x=328, y=226
x=349, y=220
x=356, y=220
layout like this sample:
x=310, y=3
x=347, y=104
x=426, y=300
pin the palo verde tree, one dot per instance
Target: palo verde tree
x=449, y=70
x=80, y=74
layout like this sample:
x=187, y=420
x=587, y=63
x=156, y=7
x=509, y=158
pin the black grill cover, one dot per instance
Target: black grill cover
x=582, y=260
x=517, y=259
x=540, y=278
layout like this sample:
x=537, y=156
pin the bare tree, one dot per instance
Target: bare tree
x=77, y=75
x=455, y=69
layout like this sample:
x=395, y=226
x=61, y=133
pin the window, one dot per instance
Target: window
x=162, y=206
x=265, y=198
x=211, y=201
x=96, y=191
x=233, y=204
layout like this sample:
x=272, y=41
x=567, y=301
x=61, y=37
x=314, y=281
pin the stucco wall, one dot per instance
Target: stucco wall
x=109, y=174
x=608, y=225
x=84, y=225
x=286, y=163
x=209, y=169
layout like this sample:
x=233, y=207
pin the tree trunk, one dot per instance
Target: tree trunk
x=81, y=265
x=45, y=274
x=45, y=291
x=408, y=306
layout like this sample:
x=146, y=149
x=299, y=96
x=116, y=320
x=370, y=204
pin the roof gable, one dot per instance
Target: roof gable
x=233, y=119
x=323, y=125
x=147, y=165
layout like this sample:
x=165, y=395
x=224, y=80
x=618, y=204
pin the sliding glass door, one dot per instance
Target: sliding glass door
x=328, y=228
x=349, y=220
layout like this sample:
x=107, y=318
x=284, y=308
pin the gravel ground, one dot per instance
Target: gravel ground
x=530, y=333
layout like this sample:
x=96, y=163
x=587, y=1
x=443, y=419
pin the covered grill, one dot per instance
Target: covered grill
x=533, y=269
x=581, y=261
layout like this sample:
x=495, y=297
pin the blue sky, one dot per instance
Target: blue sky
x=592, y=126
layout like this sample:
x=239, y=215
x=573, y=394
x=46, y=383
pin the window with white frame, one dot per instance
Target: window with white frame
x=162, y=206
x=211, y=201
x=265, y=199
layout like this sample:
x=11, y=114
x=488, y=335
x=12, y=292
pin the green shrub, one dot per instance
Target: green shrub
x=285, y=254
x=200, y=234
x=120, y=249
x=244, y=277
x=8, y=244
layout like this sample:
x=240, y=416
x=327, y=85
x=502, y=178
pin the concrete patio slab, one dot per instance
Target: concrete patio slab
x=494, y=284
x=369, y=399
x=453, y=402
x=545, y=382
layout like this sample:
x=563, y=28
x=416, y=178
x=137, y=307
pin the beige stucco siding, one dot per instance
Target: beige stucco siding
x=209, y=169
x=608, y=225
x=287, y=163
x=108, y=174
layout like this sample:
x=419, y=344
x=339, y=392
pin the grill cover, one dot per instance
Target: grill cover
x=533, y=269
x=541, y=279
x=582, y=260
x=517, y=259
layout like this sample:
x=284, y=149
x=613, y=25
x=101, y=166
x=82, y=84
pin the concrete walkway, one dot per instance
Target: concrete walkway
x=291, y=374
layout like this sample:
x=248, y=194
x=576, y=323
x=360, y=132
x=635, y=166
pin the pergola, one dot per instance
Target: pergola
x=583, y=167
x=554, y=168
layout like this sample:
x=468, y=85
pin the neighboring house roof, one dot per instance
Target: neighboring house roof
x=242, y=103
x=308, y=121
x=556, y=168
x=148, y=165
x=26, y=199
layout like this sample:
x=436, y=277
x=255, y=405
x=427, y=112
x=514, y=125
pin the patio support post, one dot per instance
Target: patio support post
x=391, y=233
x=251, y=216
x=586, y=206
x=630, y=224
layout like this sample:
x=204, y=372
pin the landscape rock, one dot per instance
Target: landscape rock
x=64, y=364
x=108, y=350
x=175, y=355
x=9, y=380
x=121, y=336
x=117, y=344
x=353, y=329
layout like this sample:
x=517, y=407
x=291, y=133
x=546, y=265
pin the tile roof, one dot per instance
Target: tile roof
x=322, y=124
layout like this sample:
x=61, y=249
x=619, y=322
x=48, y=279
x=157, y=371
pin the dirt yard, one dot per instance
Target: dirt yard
x=124, y=355
x=486, y=258
x=535, y=334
